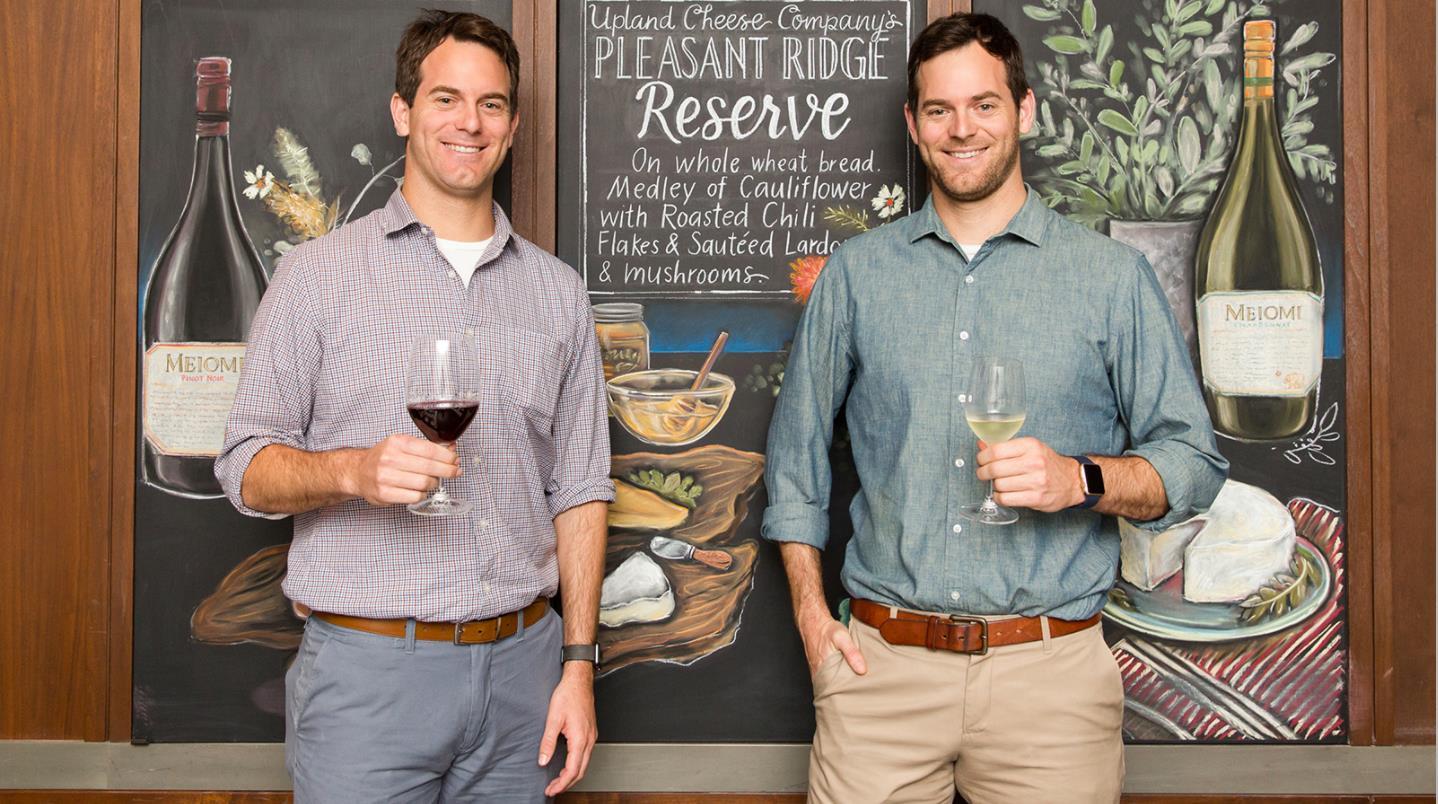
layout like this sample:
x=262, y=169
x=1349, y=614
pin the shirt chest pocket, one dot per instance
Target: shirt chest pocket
x=526, y=368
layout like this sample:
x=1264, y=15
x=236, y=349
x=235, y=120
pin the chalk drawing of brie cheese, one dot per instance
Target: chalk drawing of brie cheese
x=1226, y=554
x=636, y=592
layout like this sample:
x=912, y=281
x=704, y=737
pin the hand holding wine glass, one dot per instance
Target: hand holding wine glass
x=442, y=396
x=994, y=408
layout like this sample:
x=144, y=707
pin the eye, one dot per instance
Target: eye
x=444, y=100
x=986, y=107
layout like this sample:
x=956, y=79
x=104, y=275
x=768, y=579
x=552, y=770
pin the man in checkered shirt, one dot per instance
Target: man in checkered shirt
x=431, y=666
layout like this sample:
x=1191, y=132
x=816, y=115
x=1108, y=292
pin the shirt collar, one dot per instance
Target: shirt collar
x=1029, y=223
x=398, y=216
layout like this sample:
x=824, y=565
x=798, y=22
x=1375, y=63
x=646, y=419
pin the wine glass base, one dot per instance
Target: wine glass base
x=989, y=514
x=433, y=507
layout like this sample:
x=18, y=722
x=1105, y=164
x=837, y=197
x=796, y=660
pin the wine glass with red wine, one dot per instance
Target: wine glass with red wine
x=442, y=395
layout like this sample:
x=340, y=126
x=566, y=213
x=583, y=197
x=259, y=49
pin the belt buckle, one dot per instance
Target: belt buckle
x=478, y=629
x=479, y=636
x=955, y=619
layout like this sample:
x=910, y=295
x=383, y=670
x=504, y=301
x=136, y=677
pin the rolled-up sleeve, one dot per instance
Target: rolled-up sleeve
x=581, y=425
x=816, y=382
x=276, y=392
x=1161, y=403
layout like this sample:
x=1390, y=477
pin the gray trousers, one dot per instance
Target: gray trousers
x=373, y=718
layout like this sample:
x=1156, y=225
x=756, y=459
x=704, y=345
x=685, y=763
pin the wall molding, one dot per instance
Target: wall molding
x=731, y=768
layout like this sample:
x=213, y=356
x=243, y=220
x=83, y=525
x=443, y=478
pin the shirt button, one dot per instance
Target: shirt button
x=476, y=460
x=964, y=335
x=469, y=331
x=969, y=280
x=959, y=462
x=486, y=586
x=958, y=529
x=963, y=399
x=483, y=523
x=953, y=596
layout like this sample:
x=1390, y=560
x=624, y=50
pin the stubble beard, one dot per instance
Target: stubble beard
x=988, y=184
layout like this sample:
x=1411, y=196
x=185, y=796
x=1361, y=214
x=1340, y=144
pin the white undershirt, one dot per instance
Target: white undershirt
x=462, y=256
x=970, y=250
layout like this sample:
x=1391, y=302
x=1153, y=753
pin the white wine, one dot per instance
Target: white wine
x=1257, y=276
x=995, y=428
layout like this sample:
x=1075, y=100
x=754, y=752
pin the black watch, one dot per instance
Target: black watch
x=581, y=653
x=1091, y=474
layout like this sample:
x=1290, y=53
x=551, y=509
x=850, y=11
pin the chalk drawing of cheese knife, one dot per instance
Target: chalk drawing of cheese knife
x=675, y=550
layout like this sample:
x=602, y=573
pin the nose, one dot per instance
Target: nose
x=469, y=121
x=961, y=126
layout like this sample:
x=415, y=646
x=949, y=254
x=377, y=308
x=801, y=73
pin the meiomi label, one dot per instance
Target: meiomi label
x=1261, y=343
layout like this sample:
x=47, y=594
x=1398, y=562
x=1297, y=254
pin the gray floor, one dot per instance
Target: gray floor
x=728, y=768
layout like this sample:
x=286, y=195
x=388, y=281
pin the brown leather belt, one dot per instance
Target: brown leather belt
x=474, y=632
x=959, y=633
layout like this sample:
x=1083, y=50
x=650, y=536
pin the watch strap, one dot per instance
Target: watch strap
x=581, y=653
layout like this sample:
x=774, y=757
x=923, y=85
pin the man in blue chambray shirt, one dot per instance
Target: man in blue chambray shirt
x=972, y=660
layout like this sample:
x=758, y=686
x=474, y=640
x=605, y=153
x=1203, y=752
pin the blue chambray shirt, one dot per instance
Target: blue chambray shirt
x=894, y=327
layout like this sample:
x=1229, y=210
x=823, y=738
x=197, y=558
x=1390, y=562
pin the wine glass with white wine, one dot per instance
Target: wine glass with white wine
x=994, y=408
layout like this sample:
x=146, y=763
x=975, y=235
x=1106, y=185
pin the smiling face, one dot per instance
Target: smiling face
x=967, y=125
x=460, y=126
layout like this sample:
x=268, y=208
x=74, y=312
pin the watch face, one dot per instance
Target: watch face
x=1092, y=479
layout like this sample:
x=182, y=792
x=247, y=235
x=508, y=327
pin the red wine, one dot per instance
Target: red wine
x=443, y=422
x=203, y=292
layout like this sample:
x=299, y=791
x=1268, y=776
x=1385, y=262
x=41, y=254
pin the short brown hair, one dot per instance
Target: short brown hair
x=955, y=31
x=431, y=28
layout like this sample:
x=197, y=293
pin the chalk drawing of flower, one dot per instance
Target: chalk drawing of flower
x=803, y=273
x=890, y=201
x=261, y=181
x=361, y=153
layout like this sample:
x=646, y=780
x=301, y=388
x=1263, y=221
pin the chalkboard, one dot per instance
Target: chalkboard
x=322, y=70
x=712, y=156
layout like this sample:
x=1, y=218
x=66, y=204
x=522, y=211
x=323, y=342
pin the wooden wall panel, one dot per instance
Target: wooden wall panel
x=543, y=124
x=121, y=527
x=1355, y=353
x=57, y=176
x=522, y=153
x=1401, y=216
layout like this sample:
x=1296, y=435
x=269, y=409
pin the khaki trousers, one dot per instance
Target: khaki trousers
x=1038, y=722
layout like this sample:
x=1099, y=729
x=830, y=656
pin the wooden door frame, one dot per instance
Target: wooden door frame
x=125, y=316
x=1358, y=510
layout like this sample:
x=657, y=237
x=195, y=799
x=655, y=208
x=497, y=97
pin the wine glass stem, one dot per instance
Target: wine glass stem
x=440, y=495
x=989, y=504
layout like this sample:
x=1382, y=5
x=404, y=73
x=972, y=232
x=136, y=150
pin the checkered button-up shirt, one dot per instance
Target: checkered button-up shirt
x=325, y=369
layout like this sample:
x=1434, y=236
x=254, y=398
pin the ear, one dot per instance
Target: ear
x=1026, y=112
x=909, y=119
x=399, y=110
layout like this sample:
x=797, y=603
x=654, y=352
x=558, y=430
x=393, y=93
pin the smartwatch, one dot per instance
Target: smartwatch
x=1091, y=477
x=581, y=653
